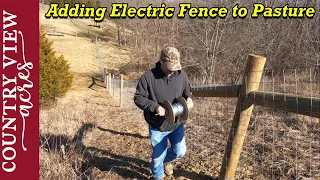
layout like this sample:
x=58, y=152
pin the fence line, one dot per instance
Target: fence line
x=113, y=86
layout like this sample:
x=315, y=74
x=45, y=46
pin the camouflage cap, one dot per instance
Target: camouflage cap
x=171, y=57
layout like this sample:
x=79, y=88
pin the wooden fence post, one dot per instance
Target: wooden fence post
x=105, y=77
x=113, y=86
x=121, y=89
x=107, y=83
x=250, y=82
x=110, y=82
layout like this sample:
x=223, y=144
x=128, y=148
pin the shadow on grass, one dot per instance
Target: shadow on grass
x=96, y=26
x=123, y=133
x=192, y=175
x=126, y=167
x=106, y=161
x=94, y=82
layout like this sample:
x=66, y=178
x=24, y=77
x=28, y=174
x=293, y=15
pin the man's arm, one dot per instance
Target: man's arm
x=141, y=96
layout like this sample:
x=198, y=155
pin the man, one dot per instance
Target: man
x=164, y=82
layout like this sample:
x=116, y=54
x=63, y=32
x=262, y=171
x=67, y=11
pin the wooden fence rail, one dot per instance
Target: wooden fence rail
x=295, y=104
x=248, y=96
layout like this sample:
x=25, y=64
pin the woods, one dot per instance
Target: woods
x=213, y=46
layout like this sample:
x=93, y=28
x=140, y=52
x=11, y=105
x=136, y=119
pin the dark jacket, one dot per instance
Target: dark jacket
x=153, y=88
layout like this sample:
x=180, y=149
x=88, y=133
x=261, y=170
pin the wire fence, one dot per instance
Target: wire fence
x=279, y=144
x=285, y=144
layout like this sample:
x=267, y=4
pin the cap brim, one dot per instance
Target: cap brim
x=173, y=66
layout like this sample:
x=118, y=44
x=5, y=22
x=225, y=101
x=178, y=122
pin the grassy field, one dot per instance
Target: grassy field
x=85, y=135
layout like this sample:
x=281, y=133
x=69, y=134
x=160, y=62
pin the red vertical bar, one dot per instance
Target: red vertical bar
x=19, y=132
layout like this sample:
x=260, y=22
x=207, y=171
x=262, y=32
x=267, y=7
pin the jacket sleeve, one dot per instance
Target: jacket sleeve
x=187, y=87
x=141, y=96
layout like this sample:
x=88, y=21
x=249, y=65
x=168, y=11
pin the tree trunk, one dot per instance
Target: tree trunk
x=119, y=36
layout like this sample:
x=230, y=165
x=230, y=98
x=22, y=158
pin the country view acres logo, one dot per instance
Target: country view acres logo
x=16, y=97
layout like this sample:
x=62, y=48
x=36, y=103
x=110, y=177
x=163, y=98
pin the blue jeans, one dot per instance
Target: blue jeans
x=160, y=151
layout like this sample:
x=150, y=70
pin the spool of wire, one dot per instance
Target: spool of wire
x=178, y=109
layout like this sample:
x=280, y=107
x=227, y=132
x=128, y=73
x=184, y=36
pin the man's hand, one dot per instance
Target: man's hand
x=161, y=111
x=189, y=103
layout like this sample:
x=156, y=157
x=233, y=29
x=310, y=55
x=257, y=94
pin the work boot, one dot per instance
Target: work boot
x=168, y=169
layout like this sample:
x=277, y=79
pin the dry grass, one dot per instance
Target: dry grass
x=83, y=136
x=278, y=145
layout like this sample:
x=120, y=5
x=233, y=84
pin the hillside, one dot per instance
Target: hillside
x=83, y=107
